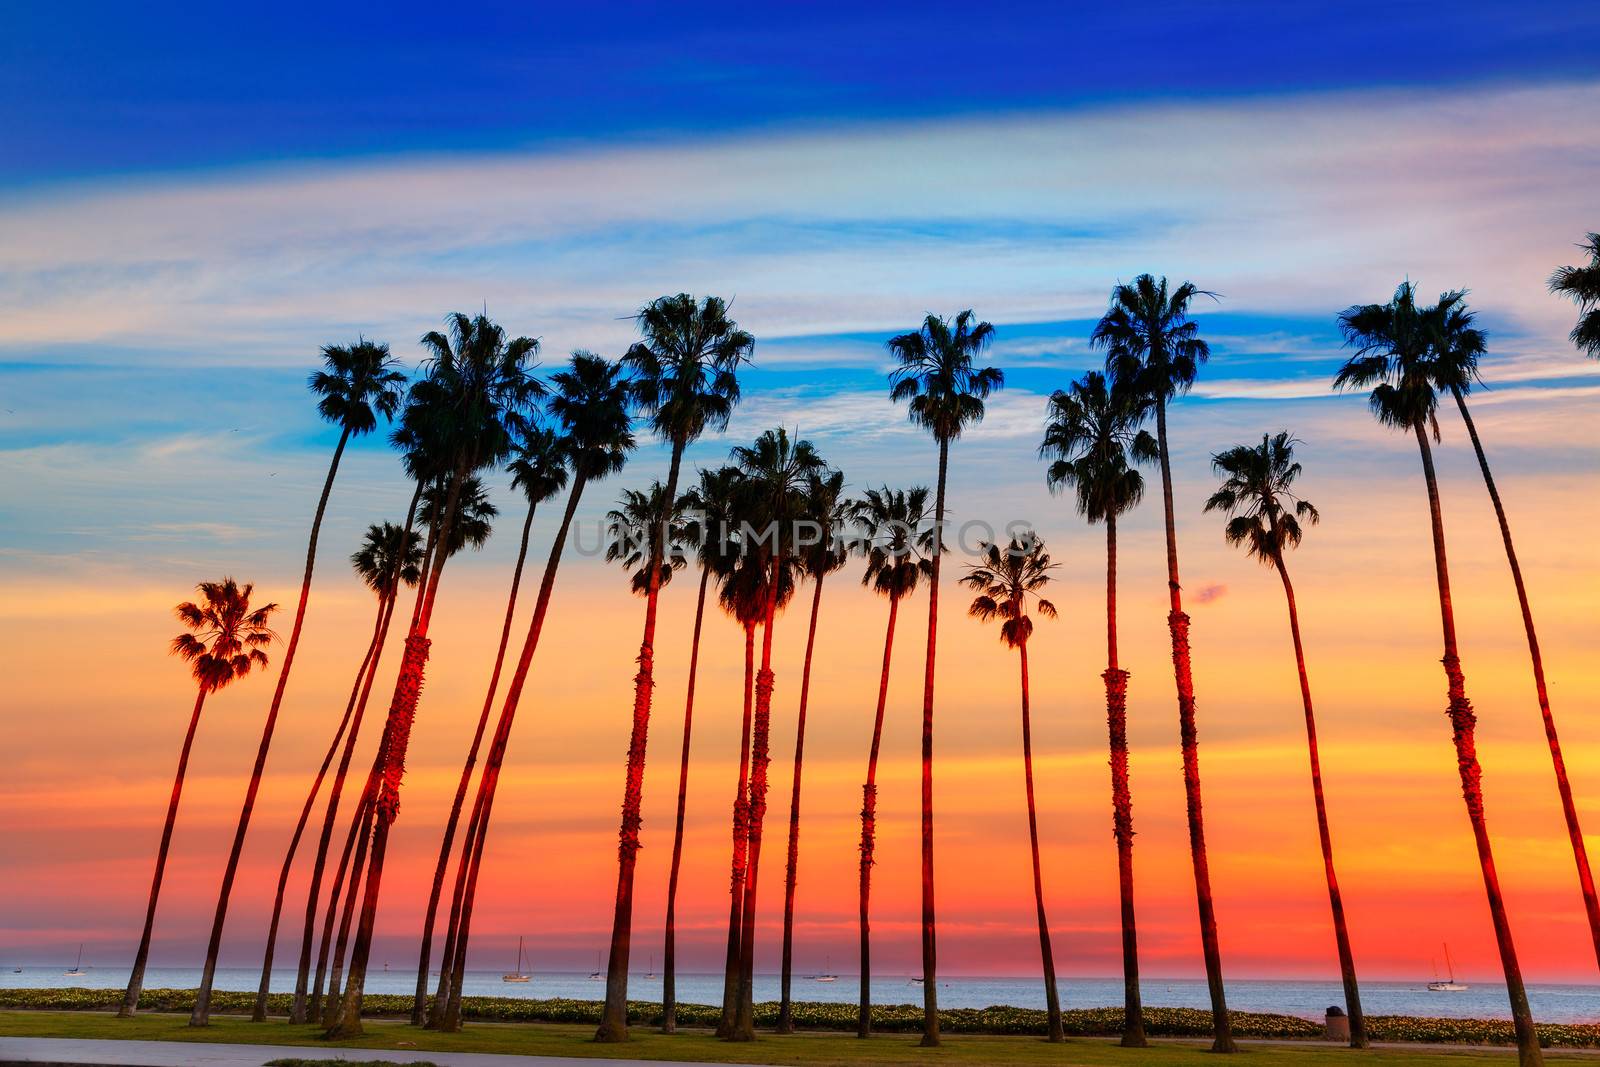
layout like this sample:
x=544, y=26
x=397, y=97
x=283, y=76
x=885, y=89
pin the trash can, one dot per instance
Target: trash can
x=1337, y=1027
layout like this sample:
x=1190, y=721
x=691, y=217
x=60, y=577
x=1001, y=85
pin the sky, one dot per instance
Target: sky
x=193, y=200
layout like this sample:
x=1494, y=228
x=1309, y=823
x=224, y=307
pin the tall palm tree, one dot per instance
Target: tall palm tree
x=710, y=519
x=1581, y=285
x=777, y=472
x=590, y=406
x=1264, y=516
x=632, y=527
x=1005, y=581
x=387, y=558
x=685, y=382
x=357, y=384
x=1395, y=349
x=1457, y=348
x=226, y=640
x=539, y=470
x=822, y=550
x=475, y=397
x=894, y=536
x=1091, y=433
x=944, y=393
x=1153, y=347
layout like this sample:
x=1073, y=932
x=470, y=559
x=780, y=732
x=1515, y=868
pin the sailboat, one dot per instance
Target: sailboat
x=1449, y=985
x=77, y=968
x=652, y=973
x=827, y=975
x=517, y=975
x=595, y=975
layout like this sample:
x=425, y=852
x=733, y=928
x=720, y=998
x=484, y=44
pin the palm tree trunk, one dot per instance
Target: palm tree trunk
x=741, y=844
x=1116, y=680
x=333, y=1005
x=930, y=948
x=669, y=984
x=202, y=1004
x=1463, y=724
x=1052, y=998
x=1178, y=623
x=760, y=758
x=791, y=869
x=869, y=807
x=130, y=999
x=614, y=1017
x=420, y=1001
x=452, y=963
x=1569, y=811
x=1341, y=933
x=259, y=1012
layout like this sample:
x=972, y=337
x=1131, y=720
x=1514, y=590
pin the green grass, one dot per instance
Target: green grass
x=301, y=1061
x=801, y=1050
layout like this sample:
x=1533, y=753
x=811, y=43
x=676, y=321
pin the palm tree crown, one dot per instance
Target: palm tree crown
x=777, y=471
x=1149, y=340
x=226, y=637
x=711, y=518
x=1257, y=493
x=1581, y=285
x=936, y=375
x=896, y=537
x=1006, y=579
x=389, y=555
x=591, y=404
x=1396, y=355
x=539, y=465
x=477, y=391
x=830, y=512
x=631, y=531
x=358, y=383
x=473, y=521
x=1091, y=433
x=685, y=370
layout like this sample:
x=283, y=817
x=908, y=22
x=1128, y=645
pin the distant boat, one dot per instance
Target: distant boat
x=517, y=975
x=595, y=975
x=77, y=968
x=1449, y=985
x=827, y=975
x=916, y=981
x=652, y=973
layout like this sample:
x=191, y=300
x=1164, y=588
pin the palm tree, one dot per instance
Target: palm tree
x=1395, y=349
x=539, y=470
x=1091, y=433
x=590, y=406
x=358, y=383
x=1005, y=581
x=827, y=512
x=897, y=544
x=1264, y=516
x=1457, y=348
x=388, y=556
x=777, y=472
x=1153, y=348
x=709, y=521
x=685, y=381
x=225, y=641
x=632, y=527
x=944, y=393
x=1581, y=285
x=474, y=399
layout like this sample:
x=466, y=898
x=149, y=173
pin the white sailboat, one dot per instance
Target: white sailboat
x=1449, y=985
x=595, y=975
x=827, y=975
x=77, y=968
x=651, y=974
x=518, y=975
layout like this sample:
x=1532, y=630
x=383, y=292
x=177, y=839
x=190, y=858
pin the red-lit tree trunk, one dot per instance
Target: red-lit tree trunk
x=669, y=984
x=869, y=809
x=1047, y=956
x=792, y=867
x=202, y=1003
x=361, y=833
x=1569, y=810
x=1463, y=724
x=1116, y=680
x=130, y=999
x=930, y=947
x=1178, y=624
x=741, y=844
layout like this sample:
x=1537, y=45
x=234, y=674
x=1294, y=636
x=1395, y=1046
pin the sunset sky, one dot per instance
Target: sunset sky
x=189, y=208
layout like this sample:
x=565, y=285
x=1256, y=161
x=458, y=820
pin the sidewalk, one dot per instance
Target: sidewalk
x=79, y=1052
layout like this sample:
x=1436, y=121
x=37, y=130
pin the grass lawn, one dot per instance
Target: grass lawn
x=802, y=1050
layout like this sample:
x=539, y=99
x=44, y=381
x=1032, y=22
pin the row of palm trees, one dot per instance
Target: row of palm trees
x=478, y=406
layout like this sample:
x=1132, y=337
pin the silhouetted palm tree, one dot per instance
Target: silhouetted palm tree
x=1091, y=433
x=539, y=470
x=357, y=385
x=1264, y=516
x=944, y=393
x=1395, y=347
x=590, y=406
x=387, y=557
x=632, y=527
x=1581, y=285
x=474, y=399
x=226, y=640
x=1155, y=349
x=685, y=381
x=1005, y=581
x=710, y=522
x=897, y=543
x=822, y=550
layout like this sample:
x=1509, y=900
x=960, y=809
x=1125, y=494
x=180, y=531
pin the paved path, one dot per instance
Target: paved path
x=82, y=1051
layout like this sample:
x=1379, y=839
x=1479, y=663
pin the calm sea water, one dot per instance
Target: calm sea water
x=1551, y=1003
